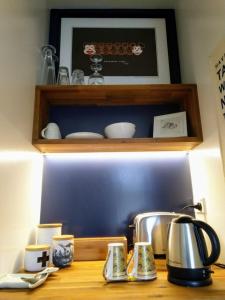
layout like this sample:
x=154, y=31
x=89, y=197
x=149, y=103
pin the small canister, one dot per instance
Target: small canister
x=36, y=257
x=63, y=250
x=45, y=232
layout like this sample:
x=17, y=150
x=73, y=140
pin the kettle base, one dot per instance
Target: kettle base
x=192, y=283
x=189, y=277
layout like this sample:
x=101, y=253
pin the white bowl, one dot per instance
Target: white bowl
x=120, y=130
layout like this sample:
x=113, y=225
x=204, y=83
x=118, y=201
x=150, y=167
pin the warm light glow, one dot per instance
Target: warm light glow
x=199, y=171
x=118, y=155
x=213, y=152
x=31, y=166
x=36, y=185
x=6, y=156
x=201, y=183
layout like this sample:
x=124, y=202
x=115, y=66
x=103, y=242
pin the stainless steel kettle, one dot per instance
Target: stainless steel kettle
x=188, y=262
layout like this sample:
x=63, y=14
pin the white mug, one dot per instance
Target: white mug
x=51, y=131
x=143, y=262
x=115, y=265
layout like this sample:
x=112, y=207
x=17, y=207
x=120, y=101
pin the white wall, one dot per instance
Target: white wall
x=201, y=26
x=23, y=27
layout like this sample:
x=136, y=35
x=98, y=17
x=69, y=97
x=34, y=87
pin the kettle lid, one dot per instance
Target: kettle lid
x=183, y=219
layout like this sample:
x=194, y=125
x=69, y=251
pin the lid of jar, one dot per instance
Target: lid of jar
x=50, y=225
x=37, y=247
x=63, y=237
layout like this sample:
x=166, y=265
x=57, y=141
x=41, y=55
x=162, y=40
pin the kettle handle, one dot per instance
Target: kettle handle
x=215, y=243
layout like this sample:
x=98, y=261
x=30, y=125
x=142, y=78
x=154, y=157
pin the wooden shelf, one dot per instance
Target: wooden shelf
x=184, y=95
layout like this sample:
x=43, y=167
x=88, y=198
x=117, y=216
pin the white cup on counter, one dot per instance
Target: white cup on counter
x=143, y=262
x=115, y=264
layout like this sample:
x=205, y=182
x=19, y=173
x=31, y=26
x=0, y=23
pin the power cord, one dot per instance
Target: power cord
x=197, y=206
x=220, y=265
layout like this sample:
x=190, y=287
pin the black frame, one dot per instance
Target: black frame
x=168, y=14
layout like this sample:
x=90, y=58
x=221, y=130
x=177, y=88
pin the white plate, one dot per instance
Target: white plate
x=84, y=135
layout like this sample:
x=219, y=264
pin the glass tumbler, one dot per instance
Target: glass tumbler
x=77, y=77
x=63, y=76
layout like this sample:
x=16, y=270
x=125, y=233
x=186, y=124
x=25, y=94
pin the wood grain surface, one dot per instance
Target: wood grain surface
x=83, y=280
x=95, y=248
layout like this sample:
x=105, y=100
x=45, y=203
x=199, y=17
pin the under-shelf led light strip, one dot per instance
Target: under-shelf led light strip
x=28, y=155
x=118, y=155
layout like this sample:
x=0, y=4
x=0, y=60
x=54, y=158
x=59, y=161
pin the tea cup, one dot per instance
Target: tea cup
x=51, y=131
x=115, y=265
x=143, y=262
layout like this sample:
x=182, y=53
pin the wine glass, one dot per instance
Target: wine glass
x=48, y=65
x=96, y=66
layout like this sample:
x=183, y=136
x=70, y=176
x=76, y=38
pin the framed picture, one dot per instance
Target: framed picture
x=137, y=46
x=171, y=125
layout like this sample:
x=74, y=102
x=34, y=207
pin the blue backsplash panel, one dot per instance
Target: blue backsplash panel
x=99, y=194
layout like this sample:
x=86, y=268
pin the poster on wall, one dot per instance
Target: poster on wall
x=126, y=51
x=217, y=65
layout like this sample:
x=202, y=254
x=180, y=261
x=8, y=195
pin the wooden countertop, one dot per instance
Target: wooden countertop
x=83, y=280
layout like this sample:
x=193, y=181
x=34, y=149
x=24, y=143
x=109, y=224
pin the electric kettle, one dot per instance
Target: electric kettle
x=188, y=262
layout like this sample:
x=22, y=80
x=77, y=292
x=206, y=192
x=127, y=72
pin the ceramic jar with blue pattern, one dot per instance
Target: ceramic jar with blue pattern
x=63, y=250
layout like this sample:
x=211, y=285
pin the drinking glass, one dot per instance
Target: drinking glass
x=96, y=78
x=63, y=76
x=48, y=65
x=77, y=77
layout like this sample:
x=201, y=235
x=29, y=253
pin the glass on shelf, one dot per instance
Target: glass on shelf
x=77, y=77
x=63, y=76
x=48, y=65
x=96, y=66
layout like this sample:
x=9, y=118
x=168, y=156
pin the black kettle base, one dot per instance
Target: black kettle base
x=189, y=277
x=191, y=283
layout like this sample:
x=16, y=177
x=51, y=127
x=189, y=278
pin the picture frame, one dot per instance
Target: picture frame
x=170, y=125
x=158, y=63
